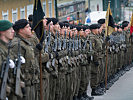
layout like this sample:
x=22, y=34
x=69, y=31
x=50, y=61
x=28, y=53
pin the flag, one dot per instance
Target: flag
x=131, y=27
x=38, y=16
x=109, y=22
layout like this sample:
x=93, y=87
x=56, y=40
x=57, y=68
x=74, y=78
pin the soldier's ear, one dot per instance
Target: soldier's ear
x=20, y=30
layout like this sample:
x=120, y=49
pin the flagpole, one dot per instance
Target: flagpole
x=38, y=27
x=131, y=40
x=40, y=64
x=106, y=71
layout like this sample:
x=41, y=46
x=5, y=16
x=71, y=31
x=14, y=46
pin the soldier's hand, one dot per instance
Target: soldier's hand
x=11, y=64
x=22, y=59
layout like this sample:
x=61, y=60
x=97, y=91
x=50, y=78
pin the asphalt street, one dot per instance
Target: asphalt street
x=121, y=89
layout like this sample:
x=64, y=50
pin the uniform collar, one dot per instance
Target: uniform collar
x=3, y=43
x=23, y=39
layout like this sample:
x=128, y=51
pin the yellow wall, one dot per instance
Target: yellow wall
x=13, y=4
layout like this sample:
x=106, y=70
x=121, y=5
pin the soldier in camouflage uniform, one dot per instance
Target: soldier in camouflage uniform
x=45, y=57
x=101, y=39
x=96, y=64
x=6, y=35
x=52, y=64
x=84, y=64
x=29, y=70
x=125, y=26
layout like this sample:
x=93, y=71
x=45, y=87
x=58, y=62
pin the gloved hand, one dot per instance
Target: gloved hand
x=11, y=64
x=39, y=46
x=22, y=59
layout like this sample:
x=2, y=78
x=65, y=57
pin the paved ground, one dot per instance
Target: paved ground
x=121, y=90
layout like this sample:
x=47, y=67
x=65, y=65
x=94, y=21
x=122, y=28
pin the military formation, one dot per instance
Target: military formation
x=74, y=59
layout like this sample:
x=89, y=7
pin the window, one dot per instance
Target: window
x=44, y=7
x=22, y=13
x=5, y=15
x=50, y=8
x=29, y=10
x=14, y=15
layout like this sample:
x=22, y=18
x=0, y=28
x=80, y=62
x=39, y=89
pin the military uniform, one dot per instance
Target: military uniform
x=96, y=64
x=45, y=74
x=10, y=85
x=30, y=70
x=5, y=45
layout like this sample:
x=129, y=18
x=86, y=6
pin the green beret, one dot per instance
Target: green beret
x=5, y=25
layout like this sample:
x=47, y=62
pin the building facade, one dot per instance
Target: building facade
x=17, y=9
x=71, y=9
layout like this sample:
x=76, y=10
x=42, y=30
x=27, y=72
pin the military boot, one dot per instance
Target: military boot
x=87, y=97
x=96, y=93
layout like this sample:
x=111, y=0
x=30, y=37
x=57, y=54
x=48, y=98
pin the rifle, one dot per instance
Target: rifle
x=2, y=70
x=79, y=42
x=76, y=43
x=69, y=48
x=59, y=42
x=5, y=75
x=55, y=43
x=47, y=41
x=64, y=42
x=18, y=66
x=73, y=42
x=84, y=44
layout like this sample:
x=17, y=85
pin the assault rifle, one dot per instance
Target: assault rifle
x=4, y=75
x=55, y=43
x=64, y=42
x=18, y=71
x=59, y=42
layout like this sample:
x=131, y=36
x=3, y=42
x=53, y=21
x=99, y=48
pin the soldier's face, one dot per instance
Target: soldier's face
x=100, y=29
x=115, y=29
x=62, y=31
x=9, y=34
x=75, y=32
x=95, y=31
x=26, y=31
x=126, y=28
x=81, y=32
x=104, y=25
x=56, y=27
x=87, y=31
x=44, y=22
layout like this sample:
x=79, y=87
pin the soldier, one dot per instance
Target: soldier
x=45, y=57
x=125, y=26
x=96, y=64
x=53, y=63
x=6, y=35
x=103, y=25
x=30, y=70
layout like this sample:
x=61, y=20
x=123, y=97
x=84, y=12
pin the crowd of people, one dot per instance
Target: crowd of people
x=74, y=59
